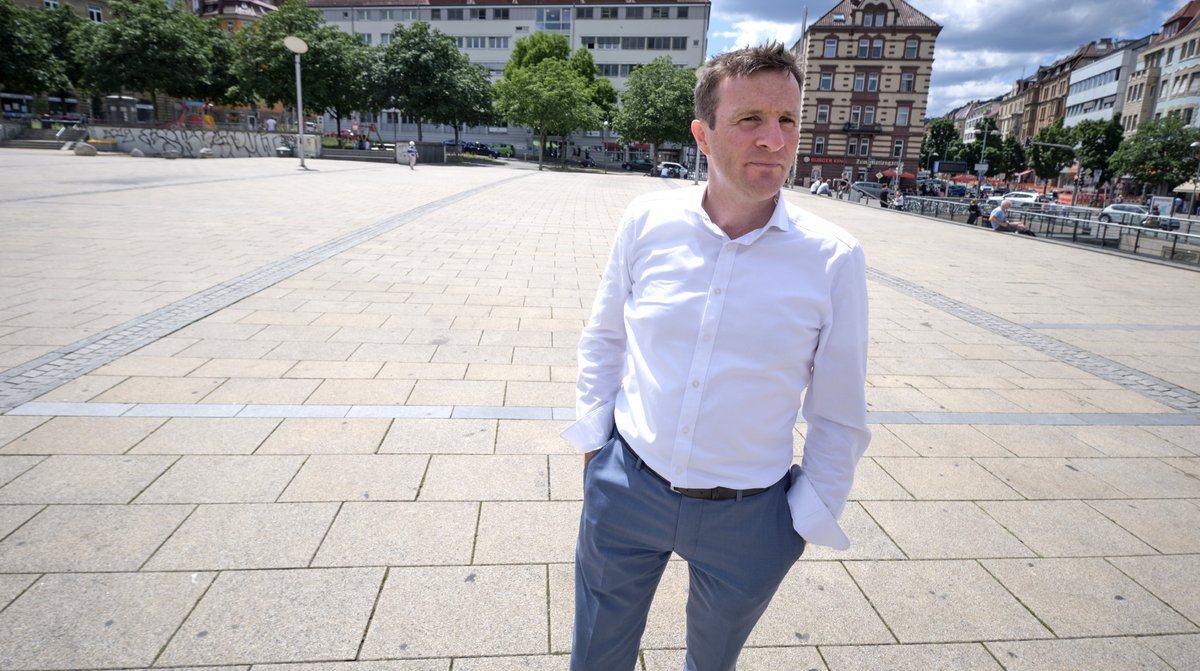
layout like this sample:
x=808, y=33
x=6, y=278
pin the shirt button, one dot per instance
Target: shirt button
x=731, y=246
x=717, y=291
x=695, y=383
x=707, y=337
x=685, y=430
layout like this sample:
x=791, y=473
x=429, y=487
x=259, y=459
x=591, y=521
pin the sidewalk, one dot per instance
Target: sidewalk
x=255, y=416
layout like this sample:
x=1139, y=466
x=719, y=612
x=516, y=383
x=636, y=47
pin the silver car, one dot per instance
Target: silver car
x=1124, y=213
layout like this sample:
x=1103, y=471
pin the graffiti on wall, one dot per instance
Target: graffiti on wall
x=224, y=143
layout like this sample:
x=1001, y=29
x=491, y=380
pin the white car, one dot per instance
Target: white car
x=1017, y=198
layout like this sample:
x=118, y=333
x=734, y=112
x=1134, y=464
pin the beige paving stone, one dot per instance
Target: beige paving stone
x=1064, y=529
x=457, y=392
x=545, y=356
x=944, y=657
x=1189, y=465
x=64, y=539
x=1038, y=441
x=241, y=350
x=1037, y=478
x=1142, y=478
x=440, y=436
x=348, y=370
x=566, y=477
x=1119, y=400
x=79, y=390
x=885, y=443
x=85, y=479
x=944, y=530
x=160, y=390
x=971, y=400
x=422, y=371
x=1084, y=654
x=12, y=585
x=527, y=532
x=752, y=659
x=1171, y=578
x=222, y=479
x=503, y=332
x=514, y=663
x=887, y=399
x=84, y=435
x=357, y=478
x=991, y=383
x=446, y=336
x=12, y=427
x=817, y=603
x=945, y=478
x=508, y=372
x=245, y=368
x=490, y=354
x=114, y=620
x=400, y=534
x=484, y=478
x=867, y=539
x=277, y=616
x=348, y=319
x=394, y=353
x=213, y=330
x=293, y=333
x=1125, y=441
x=943, y=602
x=1170, y=526
x=1085, y=597
x=1180, y=651
x=953, y=440
x=459, y=610
x=262, y=391
x=317, y=435
x=312, y=351
x=245, y=536
x=540, y=394
x=396, y=665
x=1186, y=437
x=527, y=436
x=873, y=483
x=207, y=435
x=1048, y=400
x=361, y=392
x=277, y=317
x=151, y=366
x=13, y=516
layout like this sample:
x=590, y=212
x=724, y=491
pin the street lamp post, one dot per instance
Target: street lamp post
x=982, y=158
x=298, y=46
x=604, y=147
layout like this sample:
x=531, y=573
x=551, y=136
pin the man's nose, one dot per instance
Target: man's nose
x=771, y=135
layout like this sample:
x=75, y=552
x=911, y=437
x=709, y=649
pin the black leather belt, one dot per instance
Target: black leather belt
x=712, y=493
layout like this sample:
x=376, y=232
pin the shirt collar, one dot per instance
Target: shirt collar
x=779, y=218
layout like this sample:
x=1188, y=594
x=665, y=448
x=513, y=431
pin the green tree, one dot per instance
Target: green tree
x=656, y=106
x=938, y=136
x=533, y=49
x=419, y=68
x=1011, y=156
x=1159, y=153
x=26, y=55
x=1097, y=141
x=145, y=46
x=339, y=75
x=1048, y=162
x=469, y=102
x=263, y=67
x=603, y=93
x=549, y=97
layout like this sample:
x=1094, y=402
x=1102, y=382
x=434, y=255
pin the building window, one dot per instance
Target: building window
x=869, y=116
x=822, y=113
x=472, y=42
x=553, y=19
x=362, y=15
x=498, y=42
x=609, y=69
x=679, y=43
x=385, y=38
x=873, y=81
x=409, y=14
x=681, y=12
x=583, y=12
x=435, y=15
x=500, y=14
x=634, y=13
x=860, y=80
x=910, y=49
x=660, y=12
x=855, y=114
x=902, y=116
x=826, y=81
x=830, y=48
x=658, y=43
x=95, y=14
x=852, y=146
x=365, y=38
x=454, y=14
x=633, y=43
x=608, y=12
x=819, y=145
x=877, y=49
x=898, y=149
x=477, y=14
x=864, y=47
x=608, y=42
x=906, y=82
x=864, y=147
x=50, y=4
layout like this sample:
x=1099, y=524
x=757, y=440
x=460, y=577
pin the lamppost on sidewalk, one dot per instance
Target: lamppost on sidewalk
x=982, y=158
x=298, y=46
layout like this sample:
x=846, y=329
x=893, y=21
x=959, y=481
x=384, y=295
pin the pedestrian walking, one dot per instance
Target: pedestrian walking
x=720, y=308
x=412, y=155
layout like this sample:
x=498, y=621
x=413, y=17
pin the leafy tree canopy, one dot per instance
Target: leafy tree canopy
x=550, y=97
x=419, y=68
x=28, y=59
x=1097, y=141
x=656, y=106
x=533, y=49
x=1159, y=153
x=1048, y=162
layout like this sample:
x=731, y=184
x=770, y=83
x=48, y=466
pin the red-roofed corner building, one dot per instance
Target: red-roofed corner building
x=866, y=88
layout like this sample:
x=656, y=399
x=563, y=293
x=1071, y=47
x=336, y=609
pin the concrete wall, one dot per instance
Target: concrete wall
x=224, y=143
x=9, y=131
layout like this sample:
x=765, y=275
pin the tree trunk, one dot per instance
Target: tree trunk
x=541, y=148
x=420, y=129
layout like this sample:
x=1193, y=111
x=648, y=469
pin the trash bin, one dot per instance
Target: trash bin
x=283, y=152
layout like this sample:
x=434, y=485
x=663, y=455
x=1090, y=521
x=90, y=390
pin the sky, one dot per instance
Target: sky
x=983, y=47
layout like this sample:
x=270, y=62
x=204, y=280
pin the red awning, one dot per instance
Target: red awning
x=891, y=172
x=1023, y=173
x=963, y=178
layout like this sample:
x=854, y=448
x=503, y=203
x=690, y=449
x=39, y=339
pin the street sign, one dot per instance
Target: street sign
x=981, y=167
x=950, y=167
x=1096, y=174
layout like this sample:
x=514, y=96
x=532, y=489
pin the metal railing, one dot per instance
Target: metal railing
x=1081, y=226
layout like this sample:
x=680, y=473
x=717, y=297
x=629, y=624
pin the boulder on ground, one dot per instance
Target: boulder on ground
x=171, y=154
x=206, y=152
x=137, y=153
x=85, y=149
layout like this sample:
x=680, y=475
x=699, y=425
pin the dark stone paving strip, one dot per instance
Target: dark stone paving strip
x=34, y=378
x=1156, y=389
x=1113, y=327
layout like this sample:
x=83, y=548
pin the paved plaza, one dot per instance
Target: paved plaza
x=259, y=418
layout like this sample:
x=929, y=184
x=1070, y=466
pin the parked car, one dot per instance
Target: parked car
x=871, y=189
x=479, y=149
x=674, y=170
x=638, y=164
x=1017, y=198
x=506, y=150
x=957, y=191
x=1124, y=213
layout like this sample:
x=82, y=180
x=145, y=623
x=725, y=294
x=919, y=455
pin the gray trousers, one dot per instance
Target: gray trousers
x=738, y=552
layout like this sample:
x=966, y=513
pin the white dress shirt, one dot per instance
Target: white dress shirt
x=700, y=348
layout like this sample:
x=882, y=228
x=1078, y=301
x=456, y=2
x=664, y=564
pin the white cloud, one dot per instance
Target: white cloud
x=751, y=32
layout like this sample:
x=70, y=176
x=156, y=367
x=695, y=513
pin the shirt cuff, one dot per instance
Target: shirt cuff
x=811, y=517
x=593, y=430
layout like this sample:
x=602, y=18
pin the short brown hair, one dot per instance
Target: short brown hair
x=740, y=63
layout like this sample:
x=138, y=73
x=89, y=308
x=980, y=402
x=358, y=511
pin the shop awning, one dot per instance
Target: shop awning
x=1023, y=173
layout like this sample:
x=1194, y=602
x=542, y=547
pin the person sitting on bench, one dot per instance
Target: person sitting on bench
x=999, y=221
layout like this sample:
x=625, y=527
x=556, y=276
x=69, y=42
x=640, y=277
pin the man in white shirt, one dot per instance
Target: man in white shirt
x=719, y=306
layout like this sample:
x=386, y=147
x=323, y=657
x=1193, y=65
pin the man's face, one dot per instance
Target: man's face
x=752, y=145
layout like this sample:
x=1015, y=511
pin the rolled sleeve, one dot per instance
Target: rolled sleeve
x=835, y=410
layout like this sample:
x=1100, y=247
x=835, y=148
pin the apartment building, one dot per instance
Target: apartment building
x=233, y=15
x=1167, y=80
x=1097, y=91
x=622, y=35
x=978, y=112
x=1014, y=119
x=866, y=87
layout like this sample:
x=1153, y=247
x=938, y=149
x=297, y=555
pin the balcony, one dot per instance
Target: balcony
x=853, y=127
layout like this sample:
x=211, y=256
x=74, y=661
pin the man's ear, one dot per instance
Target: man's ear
x=700, y=132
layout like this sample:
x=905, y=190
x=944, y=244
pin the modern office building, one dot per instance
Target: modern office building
x=866, y=87
x=1097, y=90
x=621, y=35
